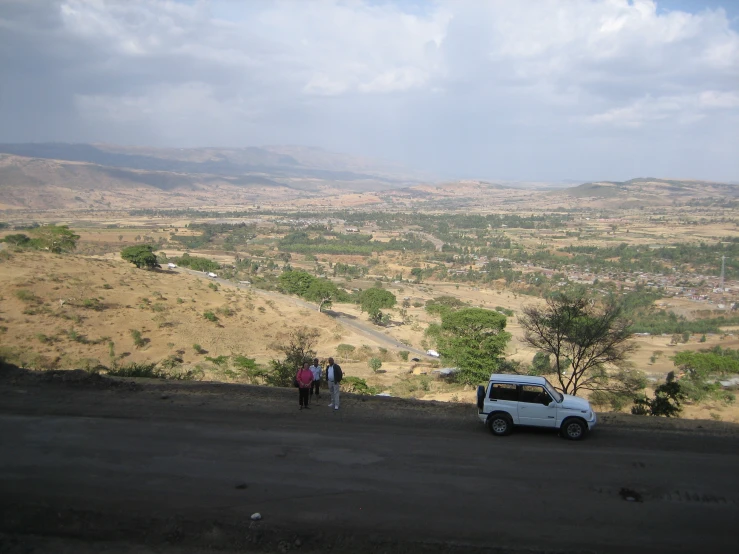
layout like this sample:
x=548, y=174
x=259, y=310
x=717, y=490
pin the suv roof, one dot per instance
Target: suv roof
x=530, y=379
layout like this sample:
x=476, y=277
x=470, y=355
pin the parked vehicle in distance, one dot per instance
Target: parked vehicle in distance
x=212, y=275
x=510, y=400
x=432, y=353
x=170, y=265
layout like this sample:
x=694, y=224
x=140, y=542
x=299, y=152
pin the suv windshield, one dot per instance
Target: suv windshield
x=555, y=393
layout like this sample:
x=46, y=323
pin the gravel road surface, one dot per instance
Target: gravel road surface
x=89, y=464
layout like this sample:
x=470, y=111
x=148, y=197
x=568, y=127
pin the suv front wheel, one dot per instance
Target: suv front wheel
x=500, y=424
x=573, y=429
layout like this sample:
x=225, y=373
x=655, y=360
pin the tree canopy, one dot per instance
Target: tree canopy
x=375, y=299
x=55, y=238
x=583, y=336
x=324, y=292
x=473, y=339
x=142, y=256
x=305, y=285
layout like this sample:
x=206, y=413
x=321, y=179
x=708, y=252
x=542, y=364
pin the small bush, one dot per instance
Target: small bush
x=26, y=295
x=210, y=316
x=219, y=360
x=44, y=338
x=212, y=286
x=138, y=340
x=225, y=311
x=404, y=355
x=199, y=349
x=76, y=337
x=93, y=304
x=107, y=286
x=134, y=369
x=358, y=386
x=180, y=301
x=375, y=364
x=171, y=362
x=158, y=307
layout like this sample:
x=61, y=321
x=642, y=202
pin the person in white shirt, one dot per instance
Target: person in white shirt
x=334, y=376
x=317, y=373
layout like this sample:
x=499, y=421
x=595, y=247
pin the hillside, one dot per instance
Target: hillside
x=40, y=176
x=66, y=311
x=648, y=191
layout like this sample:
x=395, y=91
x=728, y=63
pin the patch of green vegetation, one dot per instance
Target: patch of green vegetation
x=26, y=295
x=210, y=316
x=138, y=340
x=357, y=385
x=197, y=264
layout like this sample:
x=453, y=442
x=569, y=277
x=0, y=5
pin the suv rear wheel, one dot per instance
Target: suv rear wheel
x=500, y=424
x=573, y=429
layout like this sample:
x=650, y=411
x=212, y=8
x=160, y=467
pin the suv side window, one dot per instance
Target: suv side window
x=534, y=394
x=503, y=391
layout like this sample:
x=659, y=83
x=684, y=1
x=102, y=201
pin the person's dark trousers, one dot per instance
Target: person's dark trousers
x=303, y=396
x=317, y=386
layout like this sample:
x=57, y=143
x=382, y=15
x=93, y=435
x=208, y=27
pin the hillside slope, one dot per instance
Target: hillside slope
x=648, y=191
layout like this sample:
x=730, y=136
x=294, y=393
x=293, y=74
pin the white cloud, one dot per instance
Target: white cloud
x=441, y=86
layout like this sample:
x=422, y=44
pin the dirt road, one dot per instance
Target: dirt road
x=90, y=465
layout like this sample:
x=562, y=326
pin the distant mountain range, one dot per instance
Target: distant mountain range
x=103, y=176
x=63, y=175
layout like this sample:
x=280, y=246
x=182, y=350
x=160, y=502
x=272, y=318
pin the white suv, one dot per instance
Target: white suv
x=525, y=400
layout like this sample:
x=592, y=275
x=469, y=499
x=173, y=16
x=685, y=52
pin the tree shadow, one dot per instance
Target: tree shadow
x=335, y=314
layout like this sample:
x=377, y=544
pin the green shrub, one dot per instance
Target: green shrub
x=404, y=355
x=92, y=304
x=358, y=386
x=26, y=295
x=212, y=286
x=210, y=316
x=138, y=340
x=199, y=349
x=219, y=360
x=134, y=369
x=375, y=364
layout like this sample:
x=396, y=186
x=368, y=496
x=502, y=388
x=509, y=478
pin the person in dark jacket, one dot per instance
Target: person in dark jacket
x=334, y=377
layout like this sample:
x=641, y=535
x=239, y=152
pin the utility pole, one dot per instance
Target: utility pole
x=723, y=269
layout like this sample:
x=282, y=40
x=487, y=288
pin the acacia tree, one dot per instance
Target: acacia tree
x=583, y=337
x=322, y=291
x=474, y=339
x=142, y=256
x=55, y=238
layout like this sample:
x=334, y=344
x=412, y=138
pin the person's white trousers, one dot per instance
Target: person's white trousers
x=335, y=391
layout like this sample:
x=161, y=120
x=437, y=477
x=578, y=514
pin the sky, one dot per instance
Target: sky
x=529, y=90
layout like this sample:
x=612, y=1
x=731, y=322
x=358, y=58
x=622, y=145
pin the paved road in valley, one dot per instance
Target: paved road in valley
x=83, y=461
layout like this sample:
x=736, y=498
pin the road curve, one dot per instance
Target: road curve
x=99, y=463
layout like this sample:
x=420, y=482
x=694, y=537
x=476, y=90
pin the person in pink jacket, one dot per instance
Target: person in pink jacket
x=304, y=378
